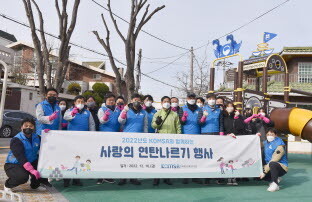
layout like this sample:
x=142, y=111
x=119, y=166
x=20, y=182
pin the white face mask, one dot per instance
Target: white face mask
x=230, y=109
x=62, y=107
x=199, y=104
x=191, y=102
x=211, y=102
x=166, y=105
x=148, y=104
x=262, y=113
x=174, y=104
x=270, y=138
x=80, y=106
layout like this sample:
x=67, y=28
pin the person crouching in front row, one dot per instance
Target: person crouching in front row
x=22, y=159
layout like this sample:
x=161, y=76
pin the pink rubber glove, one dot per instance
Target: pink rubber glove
x=31, y=169
x=232, y=135
x=123, y=114
x=74, y=111
x=258, y=134
x=250, y=118
x=64, y=125
x=221, y=133
x=53, y=116
x=106, y=116
x=265, y=119
x=174, y=109
x=46, y=130
x=203, y=119
x=144, y=107
x=184, y=117
x=236, y=117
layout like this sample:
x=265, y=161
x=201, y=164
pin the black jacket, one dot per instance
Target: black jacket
x=232, y=125
x=94, y=112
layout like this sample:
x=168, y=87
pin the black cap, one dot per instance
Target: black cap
x=210, y=95
x=191, y=95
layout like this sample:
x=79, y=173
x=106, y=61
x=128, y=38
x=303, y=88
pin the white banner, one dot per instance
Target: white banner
x=76, y=154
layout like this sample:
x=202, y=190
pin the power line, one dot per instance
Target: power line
x=156, y=37
x=160, y=81
x=167, y=64
x=249, y=22
x=54, y=36
x=162, y=58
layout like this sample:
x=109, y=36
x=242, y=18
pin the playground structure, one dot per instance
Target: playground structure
x=296, y=121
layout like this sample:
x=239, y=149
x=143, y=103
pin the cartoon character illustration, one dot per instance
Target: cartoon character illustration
x=222, y=165
x=231, y=166
x=248, y=162
x=88, y=165
x=50, y=168
x=76, y=165
x=63, y=167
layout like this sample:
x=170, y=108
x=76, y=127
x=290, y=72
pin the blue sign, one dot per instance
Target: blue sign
x=227, y=49
x=268, y=36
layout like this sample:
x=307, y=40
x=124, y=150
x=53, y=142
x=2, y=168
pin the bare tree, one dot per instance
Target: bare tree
x=129, y=40
x=42, y=51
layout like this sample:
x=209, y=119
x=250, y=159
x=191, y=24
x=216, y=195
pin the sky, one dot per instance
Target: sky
x=182, y=22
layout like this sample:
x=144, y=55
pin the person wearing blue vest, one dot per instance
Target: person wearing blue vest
x=108, y=117
x=22, y=158
x=135, y=120
x=190, y=123
x=275, y=158
x=211, y=118
x=48, y=112
x=79, y=119
x=150, y=110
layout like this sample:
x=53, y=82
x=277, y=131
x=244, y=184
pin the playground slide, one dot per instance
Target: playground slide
x=293, y=120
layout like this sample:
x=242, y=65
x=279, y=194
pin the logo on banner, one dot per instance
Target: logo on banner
x=227, y=49
x=268, y=36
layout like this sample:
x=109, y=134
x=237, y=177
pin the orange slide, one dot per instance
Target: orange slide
x=296, y=121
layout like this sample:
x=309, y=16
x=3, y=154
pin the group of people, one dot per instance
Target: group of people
x=210, y=116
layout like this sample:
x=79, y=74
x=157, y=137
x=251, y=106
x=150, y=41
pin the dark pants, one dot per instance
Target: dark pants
x=18, y=175
x=276, y=171
x=214, y=133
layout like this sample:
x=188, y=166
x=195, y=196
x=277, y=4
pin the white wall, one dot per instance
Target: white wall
x=28, y=105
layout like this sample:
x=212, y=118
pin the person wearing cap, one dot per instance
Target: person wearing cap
x=175, y=104
x=150, y=110
x=189, y=120
x=211, y=117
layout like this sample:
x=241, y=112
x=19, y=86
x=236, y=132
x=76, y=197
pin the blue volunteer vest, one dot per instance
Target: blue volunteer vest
x=112, y=125
x=31, y=149
x=135, y=122
x=212, y=124
x=270, y=147
x=49, y=110
x=191, y=126
x=150, y=119
x=80, y=122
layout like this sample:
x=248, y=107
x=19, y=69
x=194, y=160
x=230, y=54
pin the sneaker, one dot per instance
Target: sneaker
x=50, y=179
x=234, y=182
x=5, y=189
x=229, y=182
x=110, y=181
x=273, y=187
x=100, y=181
x=41, y=188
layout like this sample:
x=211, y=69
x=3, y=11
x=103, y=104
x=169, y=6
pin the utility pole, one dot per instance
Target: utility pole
x=192, y=71
x=138, y=74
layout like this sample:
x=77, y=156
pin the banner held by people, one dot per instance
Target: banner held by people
x=148, y=155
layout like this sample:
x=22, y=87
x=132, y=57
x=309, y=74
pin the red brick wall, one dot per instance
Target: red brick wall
x=27, y=60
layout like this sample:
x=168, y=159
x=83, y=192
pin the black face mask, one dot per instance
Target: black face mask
x=51, y=99
x=111, y=107
x=120, y=103
x=28, y=131
x=136, y=105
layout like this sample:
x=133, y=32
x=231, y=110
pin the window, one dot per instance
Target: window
x=305, y=72
x=15, y=115
x=97, y=77
x=30, y=96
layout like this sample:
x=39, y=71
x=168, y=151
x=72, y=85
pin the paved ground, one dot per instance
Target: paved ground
x=4, y=143
x=296, y=186
x=26, y=192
